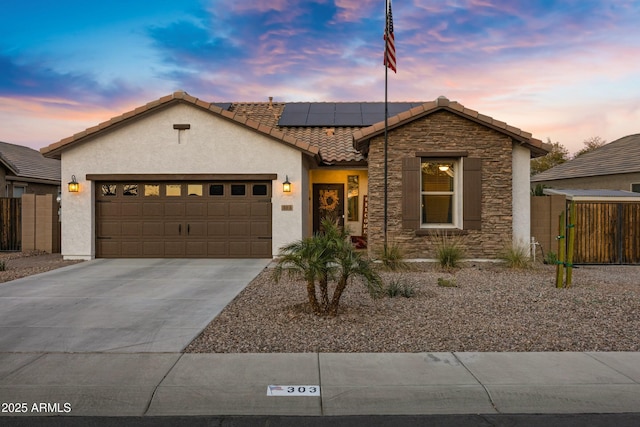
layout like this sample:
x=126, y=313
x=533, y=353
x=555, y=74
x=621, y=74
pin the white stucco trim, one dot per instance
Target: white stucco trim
x=521, y=197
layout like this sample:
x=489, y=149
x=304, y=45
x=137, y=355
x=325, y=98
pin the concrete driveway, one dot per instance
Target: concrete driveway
x=119, y=305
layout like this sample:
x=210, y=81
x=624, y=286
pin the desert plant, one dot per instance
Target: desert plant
x=447, y=283
x=398, y=287
x=393, y=258
x=516, y=256
x=393, y=288
x=551, y=258
x=449, y=249
x=327, y=256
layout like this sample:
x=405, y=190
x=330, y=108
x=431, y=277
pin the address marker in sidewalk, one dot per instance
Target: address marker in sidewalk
x=293, y=390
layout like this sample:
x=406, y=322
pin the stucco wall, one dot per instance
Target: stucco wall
x=151, y=145
x=448, y=131
x=521, y=196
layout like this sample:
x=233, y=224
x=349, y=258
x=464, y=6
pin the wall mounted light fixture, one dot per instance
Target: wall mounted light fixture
x=286, y=185
x=74, y=187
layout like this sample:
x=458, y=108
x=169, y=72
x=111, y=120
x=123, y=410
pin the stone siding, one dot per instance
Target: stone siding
x=442, y=131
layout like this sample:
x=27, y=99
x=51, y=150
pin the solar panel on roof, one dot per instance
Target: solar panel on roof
x=348, y=108
x=339, y=113
x=322, y=108
x=223, y=105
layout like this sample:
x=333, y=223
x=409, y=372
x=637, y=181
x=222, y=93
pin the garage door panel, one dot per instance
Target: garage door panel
x=218, y=249
x=131, y=209
x=131, y=228
x=195, y=248
x=196, y=210
x=218, y=209
x=239, y=228
x=173, y=229
x=239, y=249
x=109, y=229
x=153, y=229
x=153, y=209
x=196, y=229
x=260, y=229
x=174, y=248
x=172, y=209
x=239, y=209
x=108, y=248
x=260, y=210
x=130, y=249
x=261, y=248
x=217, y=229
x=108, y=209
x=153, y=249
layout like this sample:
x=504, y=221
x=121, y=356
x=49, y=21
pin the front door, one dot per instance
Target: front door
x=328, y=202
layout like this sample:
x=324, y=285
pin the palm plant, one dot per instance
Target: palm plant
x=325, y=257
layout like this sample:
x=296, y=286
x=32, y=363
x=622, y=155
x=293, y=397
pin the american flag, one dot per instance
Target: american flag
x=390, y=42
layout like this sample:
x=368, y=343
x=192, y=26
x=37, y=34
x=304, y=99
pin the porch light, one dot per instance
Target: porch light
x=443, y=168
x=286, y=185
x=74, y=187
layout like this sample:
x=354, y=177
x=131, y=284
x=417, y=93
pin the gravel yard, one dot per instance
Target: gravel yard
x=22, y=264
x=491, y=309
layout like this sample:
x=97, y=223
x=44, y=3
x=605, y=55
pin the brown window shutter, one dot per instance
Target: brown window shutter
x=411, y=193
x=472, y=194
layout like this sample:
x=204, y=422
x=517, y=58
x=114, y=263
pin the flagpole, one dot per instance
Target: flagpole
x=386, y=124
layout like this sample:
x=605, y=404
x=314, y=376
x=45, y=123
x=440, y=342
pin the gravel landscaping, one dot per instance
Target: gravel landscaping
x=492, y=308
x=22, y=264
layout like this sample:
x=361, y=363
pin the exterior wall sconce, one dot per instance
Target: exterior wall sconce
x=286, y=185
x=74, y=187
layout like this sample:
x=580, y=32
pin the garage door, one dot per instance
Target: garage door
x=183, y=219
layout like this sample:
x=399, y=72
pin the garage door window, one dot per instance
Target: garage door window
x=130, y=189
x=259, y=190
x=174, y=190
x=216, y=190
x=238, y=190
x=194, y=190
x=108, y=190
x=151, y=190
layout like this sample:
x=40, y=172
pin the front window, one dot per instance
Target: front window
x=438, y=192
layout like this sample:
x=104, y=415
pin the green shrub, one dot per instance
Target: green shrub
x=393, y=258
x=447, y=283
x=516, y=256
x=449, y=249
x=397, y=287
x=551, y=258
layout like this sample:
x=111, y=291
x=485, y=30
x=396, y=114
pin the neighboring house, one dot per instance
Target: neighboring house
x=614, y=166
x=24, y=170
x=180, y=177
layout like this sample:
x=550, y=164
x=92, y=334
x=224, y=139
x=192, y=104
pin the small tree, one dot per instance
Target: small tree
x=558, y=155
x=327, y=257
x=590, y=144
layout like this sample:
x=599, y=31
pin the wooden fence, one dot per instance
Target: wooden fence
x=607, y=233
x=10, y=224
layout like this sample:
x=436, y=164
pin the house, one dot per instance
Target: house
x=181, y=177
x=24, y=170
x=614, y=166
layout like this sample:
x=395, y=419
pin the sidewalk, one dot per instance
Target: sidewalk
x=175, y=384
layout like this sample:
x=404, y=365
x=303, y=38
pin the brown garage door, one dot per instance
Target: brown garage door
x=183, y=219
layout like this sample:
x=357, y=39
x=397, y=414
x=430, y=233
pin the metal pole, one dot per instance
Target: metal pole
x=386, y=111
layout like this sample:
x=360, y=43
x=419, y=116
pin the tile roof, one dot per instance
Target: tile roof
x=536, y=146
x=54, y=150
x=618, y=157
x=331, y=145
x=27, y=163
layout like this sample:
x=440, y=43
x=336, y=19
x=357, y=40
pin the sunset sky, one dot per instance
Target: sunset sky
x=566, y=70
